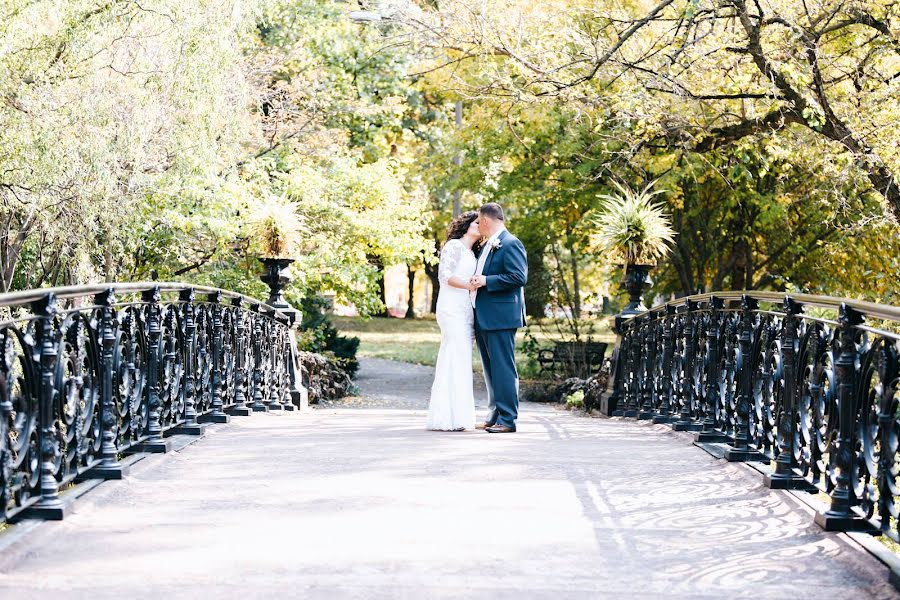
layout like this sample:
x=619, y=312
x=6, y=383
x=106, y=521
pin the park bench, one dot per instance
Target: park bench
x=581, y=359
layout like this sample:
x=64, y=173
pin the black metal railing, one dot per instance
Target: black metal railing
x=91, y=374
x=805, y=382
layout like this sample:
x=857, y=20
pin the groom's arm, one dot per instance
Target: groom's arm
x=515, y=273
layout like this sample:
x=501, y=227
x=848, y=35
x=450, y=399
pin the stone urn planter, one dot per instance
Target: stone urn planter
x=277, y=276
x=636, y=281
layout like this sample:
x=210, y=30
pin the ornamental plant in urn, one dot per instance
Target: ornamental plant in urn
x=276, y=229
x=635, y=232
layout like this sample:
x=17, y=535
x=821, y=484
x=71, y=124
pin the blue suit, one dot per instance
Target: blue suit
x=499, y=311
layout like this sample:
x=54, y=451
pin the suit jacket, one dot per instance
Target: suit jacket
x=501, y=304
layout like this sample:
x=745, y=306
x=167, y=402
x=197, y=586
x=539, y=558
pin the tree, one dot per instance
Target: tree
x=101, y=105
x=696, y=74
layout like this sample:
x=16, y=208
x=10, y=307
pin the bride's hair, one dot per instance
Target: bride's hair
x=460, y=225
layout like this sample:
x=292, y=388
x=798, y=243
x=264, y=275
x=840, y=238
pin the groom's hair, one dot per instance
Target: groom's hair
x=492, y=210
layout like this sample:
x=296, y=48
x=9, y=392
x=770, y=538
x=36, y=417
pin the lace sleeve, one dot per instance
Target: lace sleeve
x=450, y=256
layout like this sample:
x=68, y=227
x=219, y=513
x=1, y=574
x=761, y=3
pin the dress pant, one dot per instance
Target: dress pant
x=498, y=358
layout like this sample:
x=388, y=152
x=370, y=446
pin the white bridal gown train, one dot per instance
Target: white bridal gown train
x=452, y=403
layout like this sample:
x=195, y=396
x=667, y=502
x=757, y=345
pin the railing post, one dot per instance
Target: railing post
x=189, y=325
x=155, y=442
x=258, y=405
x=6, y=409
x=633, y=390
x=685, y=420
x=708, y=434
x=887, y=438
x=665, y=407
x=621, y=358
x=786, y=476
x=840, y=516
x=609, y=405
x=740, y=449
x=297, y=392
x=284, y=356
x=216, y=415
x=240, y=346
x=274, y=401
x=108, y=467
x=49, y=506
x=648, y=410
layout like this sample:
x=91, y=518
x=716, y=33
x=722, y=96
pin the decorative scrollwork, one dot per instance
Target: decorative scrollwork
x=815, y=393
x=100, y=373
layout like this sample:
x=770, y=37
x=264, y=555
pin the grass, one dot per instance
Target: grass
x=406, y=340
x=418, y=340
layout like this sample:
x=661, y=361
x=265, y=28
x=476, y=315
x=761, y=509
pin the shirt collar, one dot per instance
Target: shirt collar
x=497, y=235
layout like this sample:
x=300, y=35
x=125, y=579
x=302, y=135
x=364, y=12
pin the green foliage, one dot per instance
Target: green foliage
x=181, y=141
x=575, y=400
x=105, y=104
x=320, y=335
x=172, y=140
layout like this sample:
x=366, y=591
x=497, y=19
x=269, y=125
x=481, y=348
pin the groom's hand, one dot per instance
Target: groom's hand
x=478, y=281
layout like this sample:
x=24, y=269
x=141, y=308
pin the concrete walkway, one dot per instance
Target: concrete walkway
x=362, y=503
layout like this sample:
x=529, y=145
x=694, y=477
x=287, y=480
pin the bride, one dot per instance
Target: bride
x=452, y=406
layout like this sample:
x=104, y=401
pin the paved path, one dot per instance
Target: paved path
x=362, y=503
x=391, y=384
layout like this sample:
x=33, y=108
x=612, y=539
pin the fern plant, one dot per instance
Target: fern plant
x=631, y=228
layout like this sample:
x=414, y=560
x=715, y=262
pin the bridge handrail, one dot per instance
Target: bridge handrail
x=84, y=385
x=816, y=397
x=76, y=291
x=869, y=309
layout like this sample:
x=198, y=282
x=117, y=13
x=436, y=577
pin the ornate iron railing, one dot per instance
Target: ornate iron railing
x=807, y=382
x=90, y=374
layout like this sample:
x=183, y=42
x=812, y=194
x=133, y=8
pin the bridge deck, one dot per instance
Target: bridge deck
x=362, y=503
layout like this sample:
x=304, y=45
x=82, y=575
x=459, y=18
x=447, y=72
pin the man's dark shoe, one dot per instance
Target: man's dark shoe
x=501, y=429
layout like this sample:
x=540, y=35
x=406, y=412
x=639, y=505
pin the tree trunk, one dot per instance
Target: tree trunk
x=458, y=161
x=576, y=284
x=410, y=303
x=431, y=271
x=377, y=262
x=382, y=291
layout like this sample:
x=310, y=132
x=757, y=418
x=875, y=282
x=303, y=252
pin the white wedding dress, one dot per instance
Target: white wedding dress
x=452, y=403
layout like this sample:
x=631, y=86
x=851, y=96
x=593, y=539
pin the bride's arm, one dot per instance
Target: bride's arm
x=460, y=283
x=450, y=257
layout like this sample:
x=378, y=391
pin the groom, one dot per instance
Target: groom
x=499, y=303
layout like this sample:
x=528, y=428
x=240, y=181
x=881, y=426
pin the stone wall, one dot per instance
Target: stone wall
x=324, y=379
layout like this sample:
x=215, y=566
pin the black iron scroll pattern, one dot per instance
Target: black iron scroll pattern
x=677, y=374
x=19, y=407
x=767, y=375
x=813, y=391
x=87, y=379
x=728, y=382
x=883, y=467
x=129, y=366
x=171, y=357
x=229, y=356
x=204, y=360
x=817, y=403
x=78, y=409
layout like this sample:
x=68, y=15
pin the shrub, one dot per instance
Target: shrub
x=575, y=400
x=318, y=334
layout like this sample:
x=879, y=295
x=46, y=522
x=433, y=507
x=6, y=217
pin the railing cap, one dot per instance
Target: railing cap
x=150, y=291
x=868, y=309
